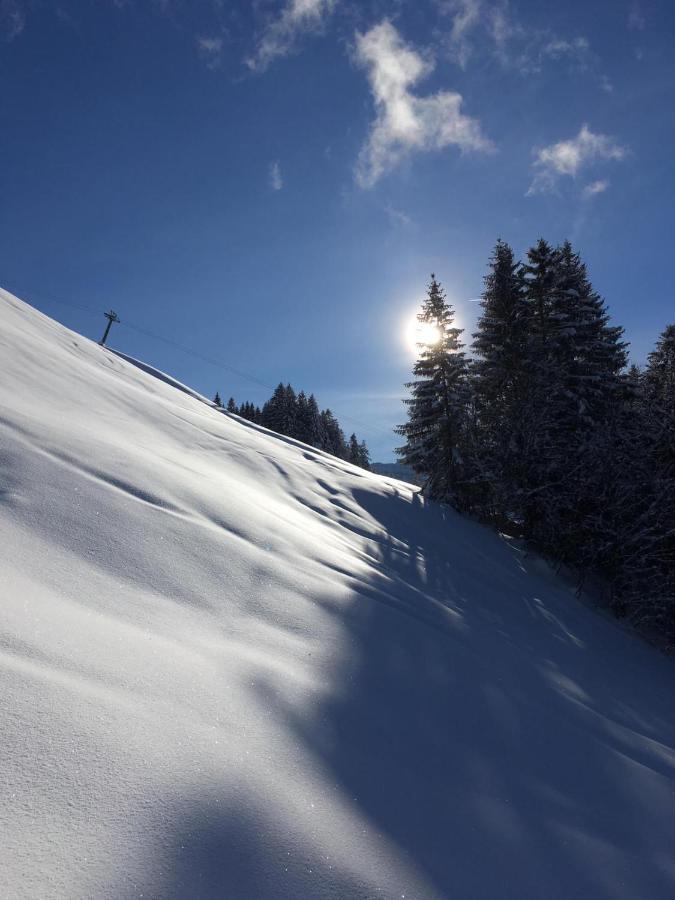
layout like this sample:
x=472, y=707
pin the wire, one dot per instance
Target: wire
x=197, y=355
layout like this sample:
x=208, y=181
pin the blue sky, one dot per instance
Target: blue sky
x=271, y=183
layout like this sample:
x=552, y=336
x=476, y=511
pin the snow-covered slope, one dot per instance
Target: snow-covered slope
x=235, y=667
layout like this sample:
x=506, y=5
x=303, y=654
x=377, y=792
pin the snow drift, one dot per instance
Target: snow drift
x=236, y=667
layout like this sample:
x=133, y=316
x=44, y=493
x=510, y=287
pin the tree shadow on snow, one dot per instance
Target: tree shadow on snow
x=509, y=741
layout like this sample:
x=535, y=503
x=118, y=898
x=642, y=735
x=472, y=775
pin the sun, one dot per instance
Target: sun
x=424, y=333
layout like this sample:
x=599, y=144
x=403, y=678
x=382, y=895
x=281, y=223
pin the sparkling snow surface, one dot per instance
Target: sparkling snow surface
x=236, y=667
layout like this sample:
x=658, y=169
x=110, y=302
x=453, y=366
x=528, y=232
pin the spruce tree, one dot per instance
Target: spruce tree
x=354, y=450
x=437, y=408
x=231, y=405
x=218, y=402
x=273, y=412
x=500, y=379
x=659, y=375
x=578, y=391
x=333, y=436
x=590, y=352
x=313, y=424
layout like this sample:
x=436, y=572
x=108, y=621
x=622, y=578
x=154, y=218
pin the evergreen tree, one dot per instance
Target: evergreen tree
x=273, y=415
x=314, y=425
x=281, y=411
x=308, y=420
x=218, y=402
x=437, y=409
x=541, y=273
x=500, y=379
x=364, y=456
x=354, y=450
x=333, y=436
x=231, y=405
x=659, y=375
x=579, y=394
x=590, y=352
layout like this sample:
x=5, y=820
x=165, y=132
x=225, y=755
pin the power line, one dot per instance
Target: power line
x=197, y=355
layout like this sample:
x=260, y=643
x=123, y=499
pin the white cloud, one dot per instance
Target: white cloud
x=12, y=19
x=276, y=180
x=596, y=187
x=210, y=50
x=567, y=158
x=280, y=36
x=558, y=48
x=405, y=123
x=398, y=217
x=465, y=17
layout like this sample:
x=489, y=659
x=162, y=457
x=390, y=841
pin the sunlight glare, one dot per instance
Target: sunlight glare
x=425, y=333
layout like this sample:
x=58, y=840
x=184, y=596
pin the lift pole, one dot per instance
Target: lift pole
x=111, y=317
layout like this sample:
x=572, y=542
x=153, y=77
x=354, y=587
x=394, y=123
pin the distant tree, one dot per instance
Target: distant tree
x=231, y=405
x=280, y=411
x=437, y=409
x=248, y=411
x=333, y=436
x=357, y=452
x=299, y=417
x=313, y=424
x=218, y=402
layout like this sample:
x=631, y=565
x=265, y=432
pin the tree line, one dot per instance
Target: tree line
x=298, y=416
x=544, y=431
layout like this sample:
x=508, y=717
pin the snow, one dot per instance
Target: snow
x=235, y=667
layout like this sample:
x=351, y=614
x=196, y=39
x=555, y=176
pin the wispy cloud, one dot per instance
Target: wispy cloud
x=568, y=158
x=210, y=49
x=558, y=48
x=596, y=187
x=12, y=19
x=404, y=122
x=465, y=17
x=636, y=19
x=275, y=178
x=398, y=217
x=280, y=36
x=491, y=26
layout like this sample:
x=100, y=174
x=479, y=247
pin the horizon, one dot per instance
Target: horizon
x=270, y=187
